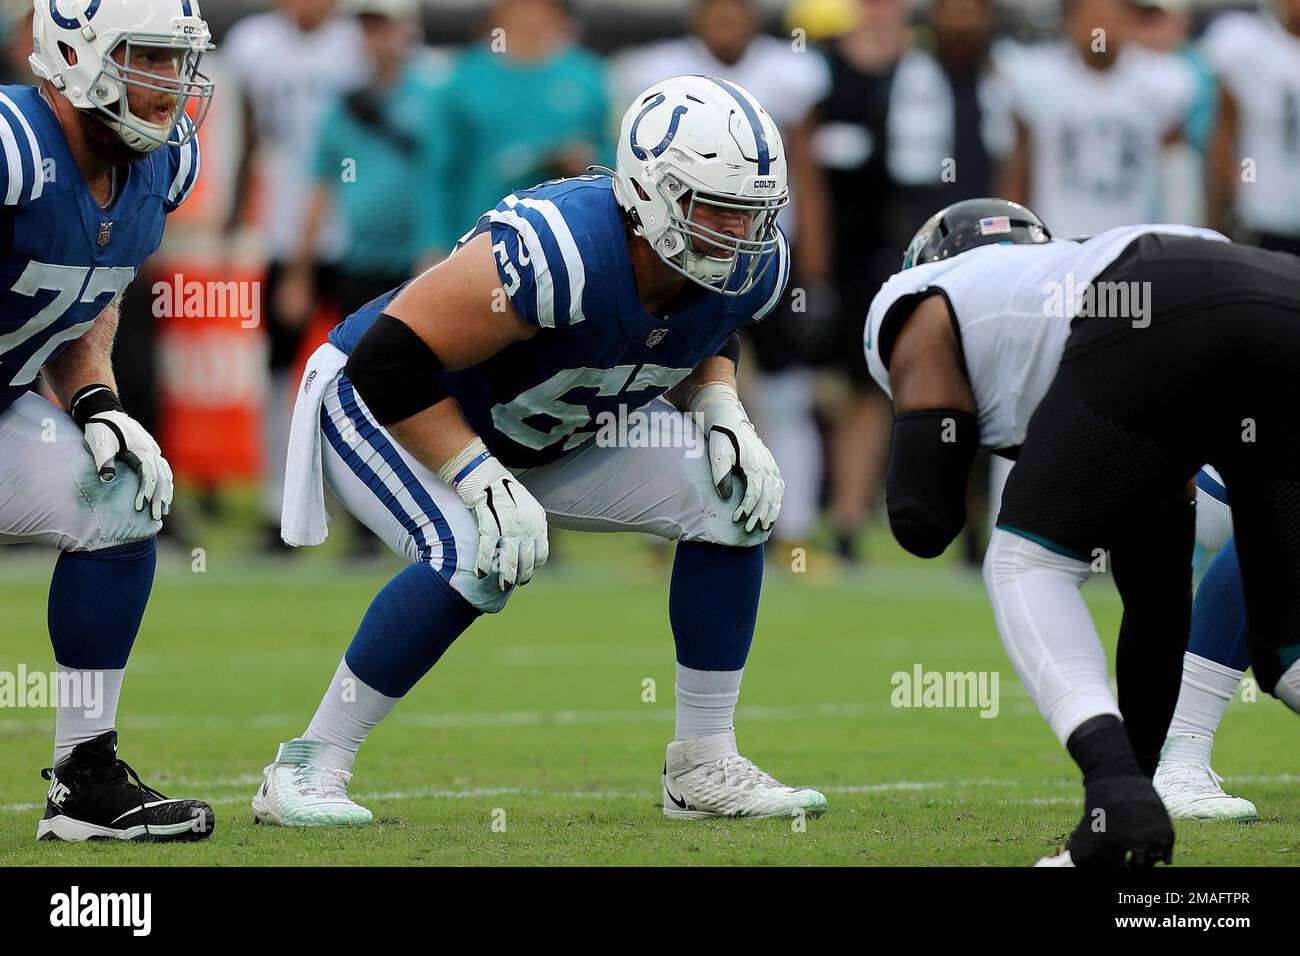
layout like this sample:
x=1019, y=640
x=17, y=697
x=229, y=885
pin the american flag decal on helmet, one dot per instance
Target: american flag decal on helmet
x=995, y=225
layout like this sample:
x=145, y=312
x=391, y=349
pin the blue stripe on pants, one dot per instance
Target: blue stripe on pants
x=371, y=434
x=381, y=491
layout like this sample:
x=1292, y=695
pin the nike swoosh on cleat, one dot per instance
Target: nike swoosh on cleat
x=680, y=804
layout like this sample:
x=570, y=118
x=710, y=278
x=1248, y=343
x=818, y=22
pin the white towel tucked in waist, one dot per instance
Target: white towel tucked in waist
x=303, y=520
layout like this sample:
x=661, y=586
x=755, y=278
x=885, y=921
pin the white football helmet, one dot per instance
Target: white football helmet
x=94, y=30
x=701, y=141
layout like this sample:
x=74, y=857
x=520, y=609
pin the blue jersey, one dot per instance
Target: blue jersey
x=562, y=255
x=64, y=258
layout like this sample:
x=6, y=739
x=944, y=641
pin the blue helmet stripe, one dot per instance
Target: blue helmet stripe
x=760, y=138
x=187, y=8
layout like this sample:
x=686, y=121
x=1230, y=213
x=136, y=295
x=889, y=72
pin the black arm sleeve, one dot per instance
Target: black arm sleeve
x=731, y=349
x=925, y=486
x=395, y=372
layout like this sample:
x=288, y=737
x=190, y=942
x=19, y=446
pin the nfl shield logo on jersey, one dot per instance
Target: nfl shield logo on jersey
x=656, y=337
x=105, y=233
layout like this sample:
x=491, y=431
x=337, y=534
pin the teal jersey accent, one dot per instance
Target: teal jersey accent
x=504, y=122
x=376, y=171
x=1045, y=542
x=1202, y=114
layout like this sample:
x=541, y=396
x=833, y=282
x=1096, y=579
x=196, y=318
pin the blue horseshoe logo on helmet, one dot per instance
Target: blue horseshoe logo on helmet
x=639, y=151
x=66, y=22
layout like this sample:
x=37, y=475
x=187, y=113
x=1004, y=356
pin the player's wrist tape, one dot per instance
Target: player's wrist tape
x=91, y=401
x=925, y=485
x=705, y=395
x=395, y=372
x=459, y=466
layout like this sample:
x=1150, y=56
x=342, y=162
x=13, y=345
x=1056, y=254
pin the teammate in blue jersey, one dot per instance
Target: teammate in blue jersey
x=95, y=157
x=458, y=416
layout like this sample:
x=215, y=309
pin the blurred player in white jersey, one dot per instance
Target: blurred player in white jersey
x=726, y=42
x=1093, y=111
x=1256, y=147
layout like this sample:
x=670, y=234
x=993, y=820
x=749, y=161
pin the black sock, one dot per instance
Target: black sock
x=1101, y=748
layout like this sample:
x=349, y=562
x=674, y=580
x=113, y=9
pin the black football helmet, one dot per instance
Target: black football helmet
x=972, y=223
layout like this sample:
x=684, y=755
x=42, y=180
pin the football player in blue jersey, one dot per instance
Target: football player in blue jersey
x=95, y=157
x=461, y=415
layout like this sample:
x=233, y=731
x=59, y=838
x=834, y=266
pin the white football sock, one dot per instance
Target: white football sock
x=350, y=709
x=706, y=701
x=88, y=711
x=1207, y=689
x=1047, y=630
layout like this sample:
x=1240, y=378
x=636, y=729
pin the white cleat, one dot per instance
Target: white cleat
x=299, y=790
x=1193, y=791
x=707, y=777
x=1060, y=858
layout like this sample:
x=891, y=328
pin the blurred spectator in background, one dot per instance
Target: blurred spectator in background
x=1255, y=156
x=949, y=131
x=725, y=42
x=1093, y=112
x=290, y=64
x=16, y=34
x=950, y=127
x=368, y=163
x=525, y=105
x=867, y=224
x=370, y=158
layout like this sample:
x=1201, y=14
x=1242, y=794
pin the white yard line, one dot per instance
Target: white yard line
x=661, y=712
x=652, y=713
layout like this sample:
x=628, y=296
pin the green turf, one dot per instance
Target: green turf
x=538, y=713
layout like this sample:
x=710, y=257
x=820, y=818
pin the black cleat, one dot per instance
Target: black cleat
x=1124, y=824
x=92, y=797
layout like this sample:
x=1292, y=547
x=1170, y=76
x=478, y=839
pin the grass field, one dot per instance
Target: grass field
x=536, y=719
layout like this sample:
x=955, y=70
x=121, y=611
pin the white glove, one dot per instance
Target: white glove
x=111, y=433
x=511, y=524
x=734, y=446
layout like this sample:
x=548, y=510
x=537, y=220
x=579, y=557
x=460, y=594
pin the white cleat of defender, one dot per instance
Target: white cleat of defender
x=706, y=777
x=301, y=790
x=1193, y=791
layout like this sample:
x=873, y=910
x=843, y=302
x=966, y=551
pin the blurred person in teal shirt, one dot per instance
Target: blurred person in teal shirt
x=372, y=152
x=526, y=104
